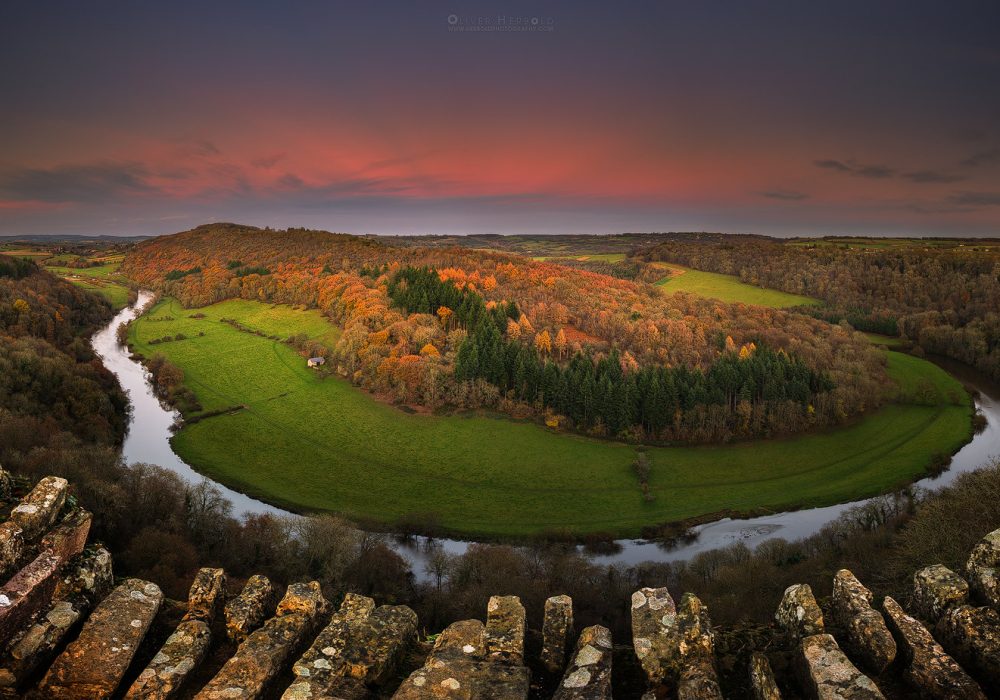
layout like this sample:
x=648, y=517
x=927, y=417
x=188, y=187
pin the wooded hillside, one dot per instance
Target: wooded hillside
x=558, y=319
x=943, y=296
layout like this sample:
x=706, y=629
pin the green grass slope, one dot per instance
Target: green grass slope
x=323, y=445
x=726, y=288
x=100, y=279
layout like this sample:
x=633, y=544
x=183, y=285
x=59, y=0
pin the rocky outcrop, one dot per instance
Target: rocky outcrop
x=654, y=633
x=828, y=674
x=868, y=638
x=505, y=629
x=39, y=509
x=263, y=655
x=798, y=614
x=675, y=645
x=27, y=594
x=589, y=675
x=557, y=632
x=937, y=589
x=762, y=682
x=111, y=635
x=67, y=634
x=927, y=667
x=360, y=647
x=972, y=636
x=247, y=611
x=461, y=666
x=983, y=569
x=185, y=649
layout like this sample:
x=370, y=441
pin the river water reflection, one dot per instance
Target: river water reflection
x=148, y=440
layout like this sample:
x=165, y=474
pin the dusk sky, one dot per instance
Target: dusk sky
x=785, y=118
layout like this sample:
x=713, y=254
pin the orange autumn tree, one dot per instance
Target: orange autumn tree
x=543, y=343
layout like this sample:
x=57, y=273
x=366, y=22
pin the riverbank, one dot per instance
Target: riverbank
x=416, y=473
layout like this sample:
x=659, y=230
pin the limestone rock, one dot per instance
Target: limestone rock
x=6, y=485
x=589, y=674
x=207, y=594
x=696, y=652
x=249, y=673
x=91, y=578
x=505, y=629
x=38, y=644
x=828, y=674
x=798, y=612
x=983, y=569
x=37, y=511
x=302, y=598
x=11, y=545
x=247, y=611
x=654, y=633
x=27, y=594
x=928, y=668
x=458, y=668
x=557, y=631
x=972, y=636
x=867, y=634
x=937, y=589
x=181, y=654
x=67, y=539
x=92, y=666
x=359, y=644
x=762, y=678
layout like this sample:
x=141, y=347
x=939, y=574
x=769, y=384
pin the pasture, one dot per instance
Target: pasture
x=726, y=288
x=315, y=443
x=101, y=279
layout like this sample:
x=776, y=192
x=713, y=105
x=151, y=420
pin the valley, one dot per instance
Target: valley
x=311, y=443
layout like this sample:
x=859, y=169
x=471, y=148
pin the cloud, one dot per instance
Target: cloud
x=833, y=165
x=851, y=167
x=96, y=182
x=266, y=162
x=988, y=157
x=932, y=176
x=787, y=195
x=976, y=199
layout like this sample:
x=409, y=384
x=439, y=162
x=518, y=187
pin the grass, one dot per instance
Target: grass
x=320, y=444
x=584, y=257
x=101, y=279
x=885, y=340
x=726, y=288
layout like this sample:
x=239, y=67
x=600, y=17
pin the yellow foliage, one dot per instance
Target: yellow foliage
x=429, y=351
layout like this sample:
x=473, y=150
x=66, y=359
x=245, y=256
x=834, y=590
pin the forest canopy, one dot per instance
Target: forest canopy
x=942, y=296
x=595, y=353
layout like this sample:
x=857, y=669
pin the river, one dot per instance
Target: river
x=150, y=429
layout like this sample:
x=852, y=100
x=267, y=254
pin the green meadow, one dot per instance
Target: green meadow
x=100, y=279
x=316, y=443
x=726, y=288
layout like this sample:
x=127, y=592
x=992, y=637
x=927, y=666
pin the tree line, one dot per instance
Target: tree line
x=597, y=391
x=941, y=296
x=554, y=311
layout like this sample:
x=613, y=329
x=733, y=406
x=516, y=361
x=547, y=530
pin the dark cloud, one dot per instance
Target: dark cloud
x=988, y=157
x=834, y=165
x=876, y=172
x=931, y=176
x=96, y=182
x=976, y=199
x=291, y=180
x=787, y=195
x=266, y=162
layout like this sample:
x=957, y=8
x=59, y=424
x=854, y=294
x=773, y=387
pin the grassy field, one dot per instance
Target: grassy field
x=604, y=257
x=101, y=279
x=320, y=444
x=726, y=288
